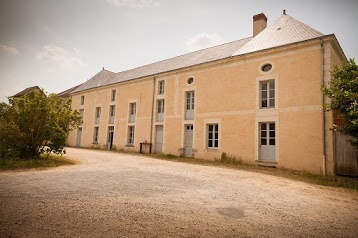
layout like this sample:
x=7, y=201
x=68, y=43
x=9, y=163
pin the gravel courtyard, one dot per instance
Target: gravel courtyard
x=116, y=195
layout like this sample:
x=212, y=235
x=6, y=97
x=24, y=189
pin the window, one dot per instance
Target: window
x=266, y=67
x=190, y=80
x=161, y=87
x=267, y=135
x=97, y=115
x=160, y=110
x=130, y=135
x=267, y=94
x=82, y=100
x=112, y=111
x=189, y=112
x=113, y=95
x=95, y=135
x=132, y=111
x=213, y=136
x=81, y=113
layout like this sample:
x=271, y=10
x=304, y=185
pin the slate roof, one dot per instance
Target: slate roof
x=285, y=30
x=27, y=90
x=67, y=92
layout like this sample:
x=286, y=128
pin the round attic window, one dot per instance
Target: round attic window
x=190, y=80
x=266, y=67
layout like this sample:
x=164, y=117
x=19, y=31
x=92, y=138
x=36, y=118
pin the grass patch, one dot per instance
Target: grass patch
x=42, y=162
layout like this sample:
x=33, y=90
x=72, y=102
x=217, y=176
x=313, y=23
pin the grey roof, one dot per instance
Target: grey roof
x=190, y=59
x=27, y=90
x=285, y=30
x=66, y=93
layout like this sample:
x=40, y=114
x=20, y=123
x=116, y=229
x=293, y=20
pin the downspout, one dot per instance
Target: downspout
x=323, y=113
x=151, y=118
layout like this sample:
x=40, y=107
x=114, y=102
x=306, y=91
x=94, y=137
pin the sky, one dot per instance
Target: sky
x=60, y=44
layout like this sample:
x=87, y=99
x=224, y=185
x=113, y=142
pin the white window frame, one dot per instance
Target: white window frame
x=95, y=135
x=215, y=130
x=160, y=109
x=161, y=87
x=132, y=111
x=97, y=117
x=113, y=95
x=189, y=104
x=82, y=112
x=112, y=113
x=270, y=101
x=130, y=139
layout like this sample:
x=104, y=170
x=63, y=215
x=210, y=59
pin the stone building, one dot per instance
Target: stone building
x=258, y=98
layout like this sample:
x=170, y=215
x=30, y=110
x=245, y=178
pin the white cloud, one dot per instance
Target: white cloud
x=203, y=40
x=59, y=58
x=134, y=3
x=9, y=49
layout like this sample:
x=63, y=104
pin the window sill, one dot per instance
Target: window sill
x=212, y=149
x=129, y=145
x=94, y=143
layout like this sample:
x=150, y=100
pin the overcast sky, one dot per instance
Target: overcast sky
x=57, y=44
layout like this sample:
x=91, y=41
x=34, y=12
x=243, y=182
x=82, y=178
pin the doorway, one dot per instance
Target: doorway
x=79, y=137
x=188, y=140
x=267, y=143
x=110, y=137
x=158, y=139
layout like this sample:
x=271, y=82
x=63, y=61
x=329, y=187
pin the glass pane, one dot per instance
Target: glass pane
x=272, y=93
x=272, y=84
x=272, y=102
x=263, y=134
x=210, y=144
x=216, y=135
x=272, y=141
x=210, y=128
x=264, y=86
x=272, y=126
x=263, y=141
x=263, y=103
x=272, y=134
x=216, y=143
x=263, y=126
x=210, y=135
x=264, y=94
x=216, y=127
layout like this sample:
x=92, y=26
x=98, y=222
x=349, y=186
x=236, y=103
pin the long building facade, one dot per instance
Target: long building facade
x=258, y=99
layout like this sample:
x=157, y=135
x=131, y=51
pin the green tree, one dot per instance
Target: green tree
x=343, y=90
x=35, y=123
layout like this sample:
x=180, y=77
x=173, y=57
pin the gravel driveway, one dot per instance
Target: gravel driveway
x=117, y=195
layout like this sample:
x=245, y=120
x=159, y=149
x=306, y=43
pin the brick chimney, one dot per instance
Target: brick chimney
x=260, y=23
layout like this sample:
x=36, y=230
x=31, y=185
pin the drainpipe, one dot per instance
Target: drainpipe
x=151, y=118
x=323, y=113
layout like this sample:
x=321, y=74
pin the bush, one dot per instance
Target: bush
x=228, y=159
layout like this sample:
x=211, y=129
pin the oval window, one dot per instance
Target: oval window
x=190, y=80
x=266, y=67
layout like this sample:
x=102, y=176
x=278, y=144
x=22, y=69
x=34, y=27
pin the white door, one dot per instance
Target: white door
x=188, y=141
x=79, y=137
x=110, y=137
x=158, y=139
x=267, y=141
